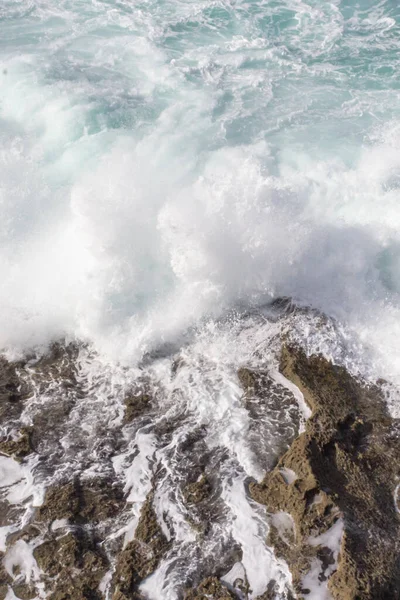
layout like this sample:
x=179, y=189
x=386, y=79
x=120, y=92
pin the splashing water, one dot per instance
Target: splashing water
x=164, y=161
x=164, y=164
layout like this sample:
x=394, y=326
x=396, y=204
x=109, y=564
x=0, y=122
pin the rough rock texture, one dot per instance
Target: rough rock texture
x=346, y=463
x=209, y=588
x=12, y=391
x=71, y=554
x=18, y=447
x=71, y=558
x=73, y=562
x=136, y=405
x=141, y=556
x=212, y=587
x=93, y=500
x=274, y=414
x=73, y=565
x=197, y=491
x=5, y=580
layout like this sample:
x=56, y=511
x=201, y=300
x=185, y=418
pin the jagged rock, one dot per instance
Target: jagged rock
x=20, y=447
x=58, y=363
x=271, y=593
x=74, y=564
x=5, y=579
x=12, y=391
x=209, y=588
x=136, y=405
x=92, y=500
x=27, y=533
x=60, y=503
x=24, y=591
x=73, y=567
x=197, y=491
x=274, y=414
x=346, y=463
x=142, y=555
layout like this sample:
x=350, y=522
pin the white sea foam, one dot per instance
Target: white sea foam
x=18, y=482
x=162, y=166
x=125, y=237
x=316, y=579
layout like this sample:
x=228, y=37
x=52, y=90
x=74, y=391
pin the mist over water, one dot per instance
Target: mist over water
x=167, y=170
x=162, y=162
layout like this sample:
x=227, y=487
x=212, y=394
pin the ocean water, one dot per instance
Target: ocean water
x=163, y=162
x=168, y=168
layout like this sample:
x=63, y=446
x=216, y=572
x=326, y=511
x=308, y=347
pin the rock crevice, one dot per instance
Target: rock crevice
x=345, y=465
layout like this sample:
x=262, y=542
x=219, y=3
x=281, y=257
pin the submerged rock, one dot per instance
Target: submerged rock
x=344, y=465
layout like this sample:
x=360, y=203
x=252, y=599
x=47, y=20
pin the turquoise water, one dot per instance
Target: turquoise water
x=164, y=161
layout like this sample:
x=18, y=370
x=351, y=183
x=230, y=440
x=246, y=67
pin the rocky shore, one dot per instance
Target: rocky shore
x=344, y=467
x=330, y=498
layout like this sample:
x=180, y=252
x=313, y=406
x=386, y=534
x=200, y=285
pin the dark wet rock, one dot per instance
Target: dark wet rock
x=24, y=591
x=93, y=500
x=177, y=364
x=272, y=593
x=166, y=427
x=61, y=502
x=27, y=533
x=59, y=363
x=19, y=447
x=5, y=579
x=208, y=577
x=100, y=500
x=136, y=405
x=197, y=491
x=211, y=587
x=273, y=411
x=73, y=567
x=56, y=372
x=13, y=391
x=199, y=468
x=142, y=555
x=346, y=463
x=43, y=437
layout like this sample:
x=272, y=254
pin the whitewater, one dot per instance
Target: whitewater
x=168, y=170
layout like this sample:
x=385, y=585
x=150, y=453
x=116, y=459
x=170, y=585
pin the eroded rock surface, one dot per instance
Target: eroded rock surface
x=344, y=465
x=141, y=556
x=197, y=491
x=274, y=414
x=341, y=472
x=136, y=405
x=18, y=445
x=210, y=588
x=92, y=500
x=73, y=566
x=12, y=391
